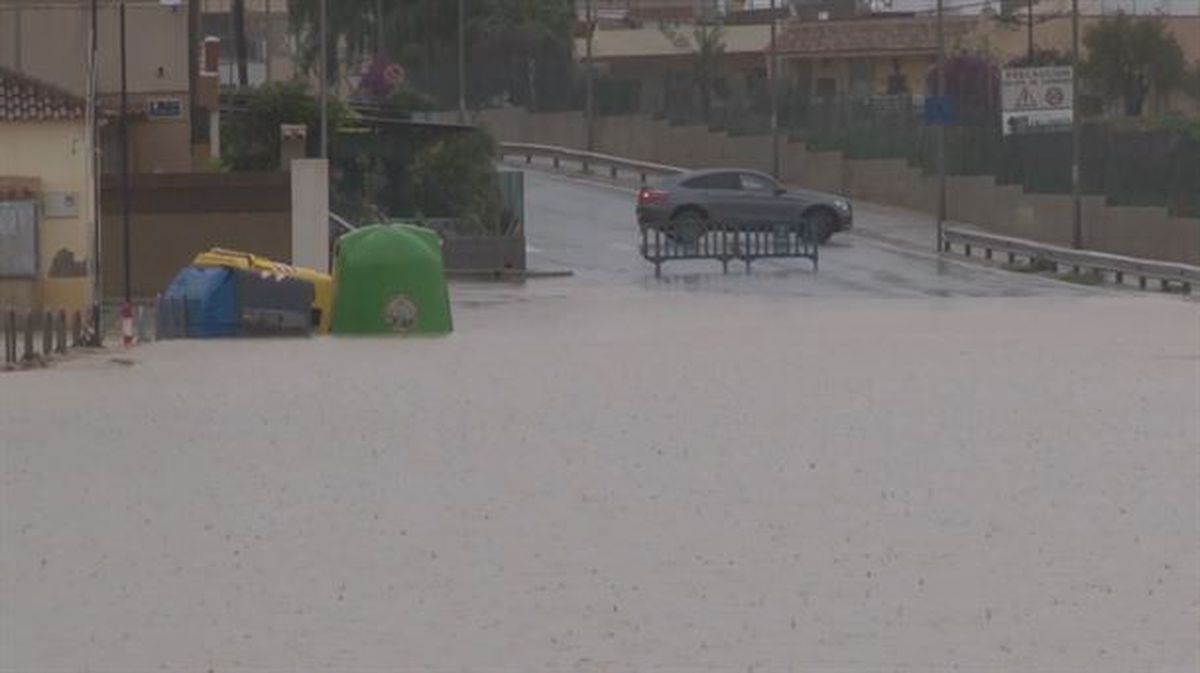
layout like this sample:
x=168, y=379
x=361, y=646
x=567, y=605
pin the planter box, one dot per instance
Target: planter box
x=483, y=253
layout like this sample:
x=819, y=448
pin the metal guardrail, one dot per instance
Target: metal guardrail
x=31, y=338
x=702, y=239
x=341, y=223
x=664, y=248
x=615, y=165
x=1119, y=266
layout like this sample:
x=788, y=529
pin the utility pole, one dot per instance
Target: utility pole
x=126, y=242
x=269, y=45
x=93, y=173
x=462, y=63
x=590, y=104
x=773, y=82
x=940, y=93
x=1029, y=20
x=379, y=28
x=324, y=80
x=1077, y=215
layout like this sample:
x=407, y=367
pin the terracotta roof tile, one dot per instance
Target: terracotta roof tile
x=23, y=98
x=871, y=36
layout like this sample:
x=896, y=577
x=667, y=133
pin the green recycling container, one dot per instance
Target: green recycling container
x=390, y=280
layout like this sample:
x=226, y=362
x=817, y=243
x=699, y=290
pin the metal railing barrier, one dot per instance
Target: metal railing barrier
x=747, y=242
x=1168, y=274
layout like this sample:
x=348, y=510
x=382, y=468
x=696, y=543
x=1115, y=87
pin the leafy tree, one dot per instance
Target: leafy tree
x=239, y=41
x=710, y=48
x=1041, y=57
x=1130, y=56
x=352, y=24
x=1192, y=84
x=519, y=37
x=456, y=177
x=250, y=141
x=973, y=81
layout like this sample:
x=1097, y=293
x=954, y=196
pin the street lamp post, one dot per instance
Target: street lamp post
x=126, y=242
x=940, y=94
x=1077, y=208
x=324, y=21
x=773, y=82
x=462, y=64
x=93, y=167
x=590, y=86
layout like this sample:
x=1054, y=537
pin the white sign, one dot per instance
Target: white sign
x=1036, y=99
x=60, y=204
x=164, y=108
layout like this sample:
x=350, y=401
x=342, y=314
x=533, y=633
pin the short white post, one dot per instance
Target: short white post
x=310, y=213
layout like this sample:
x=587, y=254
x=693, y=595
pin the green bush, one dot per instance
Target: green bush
x=250, y=137
x=456, y=177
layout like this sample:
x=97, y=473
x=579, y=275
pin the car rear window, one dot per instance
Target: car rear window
x=714, y=181
x=756, y=183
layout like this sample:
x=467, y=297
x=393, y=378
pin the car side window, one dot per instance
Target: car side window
x=715, y=181
x=756, y=183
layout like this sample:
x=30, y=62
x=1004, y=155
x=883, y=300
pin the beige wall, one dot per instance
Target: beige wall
x=161, y=146
x=164, y=243
x=56, y=153
x=977, y=200
x=176, y=216
x=48, y=40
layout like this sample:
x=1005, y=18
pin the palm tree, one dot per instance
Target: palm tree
x=710, y=48
x=239, y=41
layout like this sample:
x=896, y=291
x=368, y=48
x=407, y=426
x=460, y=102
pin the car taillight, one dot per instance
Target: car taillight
x=648, y=196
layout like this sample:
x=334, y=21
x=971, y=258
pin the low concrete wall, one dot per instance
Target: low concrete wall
x=483, y=253
x=977, y=200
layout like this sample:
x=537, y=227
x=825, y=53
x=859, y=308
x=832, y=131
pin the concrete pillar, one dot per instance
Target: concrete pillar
x=310, y=213
x=293, y=144
x=214, y=134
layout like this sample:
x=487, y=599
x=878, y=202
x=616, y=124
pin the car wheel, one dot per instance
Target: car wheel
x=818, y=225
x=688, y=227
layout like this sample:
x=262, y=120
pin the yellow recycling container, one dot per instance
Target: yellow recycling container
x=322, y=282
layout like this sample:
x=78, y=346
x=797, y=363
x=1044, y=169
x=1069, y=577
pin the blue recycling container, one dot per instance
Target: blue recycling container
x=210, y=297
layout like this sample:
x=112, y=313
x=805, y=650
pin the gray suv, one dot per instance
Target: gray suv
x=684, y=206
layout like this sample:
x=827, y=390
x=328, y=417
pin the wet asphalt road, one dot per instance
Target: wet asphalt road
x=590, y=228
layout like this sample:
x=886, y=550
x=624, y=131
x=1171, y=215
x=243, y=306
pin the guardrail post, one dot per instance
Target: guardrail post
x=61, y=331
x=987, y=254
x=28, y=354
x=1141, y=282
x=1012, y=258
x=967, y=250
x=10, y=338
x=48, y=334
x=612, y=171
x=586, y=167
x=529, y=159
x=643, y=178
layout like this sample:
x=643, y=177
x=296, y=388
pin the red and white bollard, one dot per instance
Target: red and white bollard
x=127, y=324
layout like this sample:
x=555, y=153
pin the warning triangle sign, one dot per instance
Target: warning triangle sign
x=1026, y=99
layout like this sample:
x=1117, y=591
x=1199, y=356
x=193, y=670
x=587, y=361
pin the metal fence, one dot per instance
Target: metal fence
x=1130, y=162
x=745, y=242
x=32, y=338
